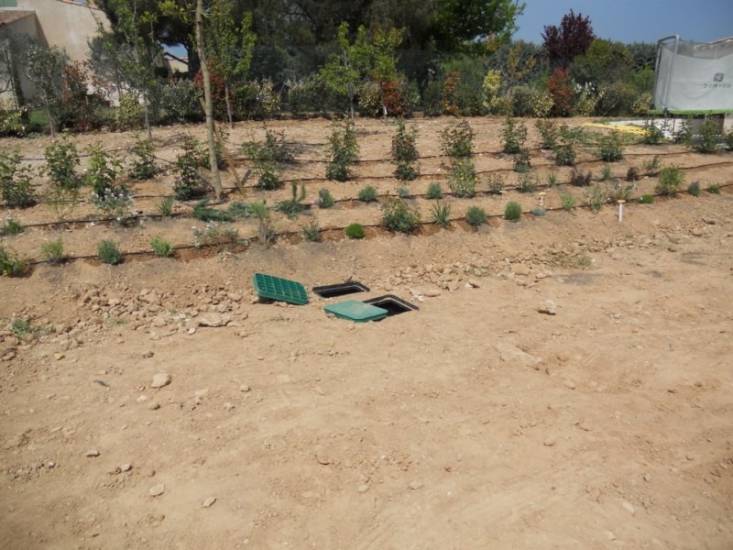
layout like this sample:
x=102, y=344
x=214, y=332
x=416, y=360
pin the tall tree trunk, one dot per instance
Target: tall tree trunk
x=51, y=126
x=147, y=118
x=208, y=104
x=229, y=105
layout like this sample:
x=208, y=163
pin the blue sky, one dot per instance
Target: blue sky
x=634, y=20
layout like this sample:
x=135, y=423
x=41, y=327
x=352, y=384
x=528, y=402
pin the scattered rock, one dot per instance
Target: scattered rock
x=125, y=467
x=161, y=380
x=509, y=353
x=415, y=485
x=213, y=320
x=244, y=388
x=569, y=384
x=363, y=488
x=157, y=490
x=628, y=507
x=154, y=406
x=696, y=232
x=520, y=269
x=58, y=356
x=549, y=442
x=548, y=307
x=209, y=502
x=92, y=453
x=148, y=354
x=228, y=406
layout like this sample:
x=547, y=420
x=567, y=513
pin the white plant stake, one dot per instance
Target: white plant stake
x=541, y=197
x=620, y=210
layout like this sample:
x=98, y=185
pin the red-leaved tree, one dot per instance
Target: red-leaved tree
x=572, y=38
x=561, y=90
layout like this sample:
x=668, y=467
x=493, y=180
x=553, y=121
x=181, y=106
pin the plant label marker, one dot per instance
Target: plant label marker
x=541, y=199
x=620, y=210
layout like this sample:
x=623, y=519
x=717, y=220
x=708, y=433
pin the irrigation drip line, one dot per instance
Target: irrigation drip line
x=245, y=243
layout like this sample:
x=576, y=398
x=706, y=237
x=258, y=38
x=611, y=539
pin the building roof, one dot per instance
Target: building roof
x=11, y=16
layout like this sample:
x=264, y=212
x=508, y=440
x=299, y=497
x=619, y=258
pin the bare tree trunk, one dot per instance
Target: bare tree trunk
x=147, y=119
x=208, y=104
x=51, y=125
x=229, y=105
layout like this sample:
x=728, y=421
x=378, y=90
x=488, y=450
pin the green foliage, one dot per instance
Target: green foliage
x=603, y=62
x=21, y=327
x=610, y=147
x=618, y=191
x=653, y=135
x=403, y=192
x=646, y=199
x=311, y=232
x=713, y=188
x=405, y=171
x=367, y=194
x=165, y=207
x=294, y=205
x=11, y=122
x=514, y=135
x=15, y=181
x=729, y=141
x=596, y=197
x=143, y=163
x=265, y=231
x=707, y=138
x=62, y=160
x=527, y=184
x=606, y=172
x=101, y=175
x=495, y=184
x=567, y=201
x=11, y=265
x=694, y=189
x=435, y=191
x=579, y=179
x=202, y=211
x=651, y=166
x=274, y=148
x=632, y=174
x=457, y=139
x=670, y=180
x=462, y=178
x=404, y=147
x=161, y=247
x=521, y=161
x=354, y=231
x=45, y=68
x=213, y=234
x=565, y=148
x=548, y=133
x=325, y=199
x=108, y=253
x=552, y=179
x=397, y=216
x=513, y=211
x=239, y=210
x=53, y=251
x=188, y=184
x=440, y=213
x=344, y=152
x=475, y=216
x=11, y=227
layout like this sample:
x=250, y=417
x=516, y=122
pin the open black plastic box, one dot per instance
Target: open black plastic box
x=392, y=304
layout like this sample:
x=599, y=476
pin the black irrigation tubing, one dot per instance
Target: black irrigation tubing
x=244, y=244
x=189, y=215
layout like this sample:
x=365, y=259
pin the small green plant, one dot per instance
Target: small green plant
x=441, y=214
x=606, y=173
x=651, y=166
x=165, y=207
x=214, y=234
x=188, y=184
x=344, y=152
x=632, y=174
x=565, y=147
x=12, y=265
x=527, y=184
x=694, y=189
x=617, y=191
x=311, y=232
x=707, y=138
x=522, y=162
x=653, y=135
x=108, y=253
x=729, y=141
x=21, y=327
x=457, y=140
x=161, y=247
x=367, y=194
x=265, y=231
x=403, y=192
x=404, y=151
x=513, y=211
x=239, y=210
x=397, y=216
x=670, y=180
x=202, y=211
x=325, y=199
x=646, y=199
x=552, y=179
x=539, y=212
x=495, y=184
x=567, y=201
x=53, y=251
x=62, y=161
x=462, y=178
x=514, y=135
x=475, y=216
x=11, y=227
x=435, y=191
x=274, y=148
x=713, y=188
x=579, y=179
x=548, y=133
x=15, y=181
x=354, y=231
x=610, y=147
x=596, y=197
x=143, y=165
x=294, y=205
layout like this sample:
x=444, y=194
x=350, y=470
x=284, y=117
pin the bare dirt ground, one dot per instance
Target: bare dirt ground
x=476, y=422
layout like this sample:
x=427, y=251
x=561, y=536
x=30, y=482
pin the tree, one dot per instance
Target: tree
x=343, y=71
x=603, y=62
x=45, y=67
x=572, y=38
x=229, y=46
x=466, y=24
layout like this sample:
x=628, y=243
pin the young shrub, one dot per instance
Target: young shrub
x=274, y=148
x=548, y=133
x=294, y=205
x=109, y=196
x=161, y=247
x=214, y=234
x=513, y=211
x=11, y=227
x=435, y=191
x=610, y=147
x=514, y=135
x=354, y=231
x=567, y=201
x=165, y=207
x=15, y=181
x=670, y=180
x=189, y=184
x=596, y=197
x=239, y=210
x=143, y=162
x=565, y=148
x=457, y=140
x=462, y=178
x=694, y=189
x=21, y=328
x=265, y=231
x=404, y=151
x=495, y=184
x=646, y=199
x=440, y=214
x=713, y=188
x=606, y=172
x=11, y=265
x=108, y=253
x=617, y=191
x=729, y=141
x=53, y=251
x=521, y=161
x=62, y=160
x=578, y=179
x=397, y=216
x=311, y=232
x=707, y=138
x=475, y=216
x=403, y=192
x=202, y=211
x=632, y=174
x=651, y=167
x=653, y=135
x=367, y=194
x=552, y=179
x=325, y=199
x=539, y=212
x=344, y=152
x=527, y=184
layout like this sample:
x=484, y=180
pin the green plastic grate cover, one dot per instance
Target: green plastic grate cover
x=282, y=290
x=356, y=311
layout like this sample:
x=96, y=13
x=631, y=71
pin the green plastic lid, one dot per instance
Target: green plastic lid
x=282, y=290
x=356, y=311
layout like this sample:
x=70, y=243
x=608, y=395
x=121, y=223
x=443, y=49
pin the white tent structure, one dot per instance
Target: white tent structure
x=694, y=77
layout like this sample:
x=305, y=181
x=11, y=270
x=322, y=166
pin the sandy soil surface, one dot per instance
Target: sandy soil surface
x=566, y=383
